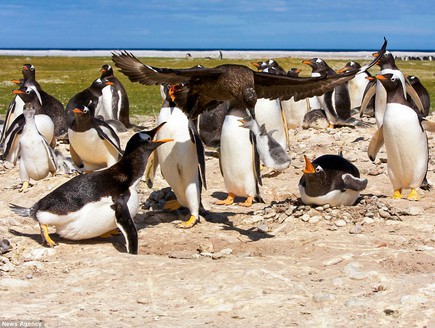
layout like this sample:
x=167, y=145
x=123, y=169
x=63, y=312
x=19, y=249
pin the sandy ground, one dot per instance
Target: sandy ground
x=278, y=264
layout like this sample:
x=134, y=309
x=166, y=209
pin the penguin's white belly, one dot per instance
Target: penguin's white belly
x=268, y=112
x=104, y=107
x=35, y=161
x=406, y=146
x=94, y=152
x=380, y=103
x=333, y=198
x=294, y=112
x=92, y=220
x=178, y=159
x=45, y=126
x=356, y=89
x=237, y=157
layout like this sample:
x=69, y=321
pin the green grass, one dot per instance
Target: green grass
x=63, y=77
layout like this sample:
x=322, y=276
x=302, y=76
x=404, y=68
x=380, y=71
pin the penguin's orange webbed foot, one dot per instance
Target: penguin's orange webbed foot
x=247, y=202
x=111, y=233
x=413, y=195
x=189, y=223
x=228, y=201
x=172, y=205
x=397, y=194
x=24, y=187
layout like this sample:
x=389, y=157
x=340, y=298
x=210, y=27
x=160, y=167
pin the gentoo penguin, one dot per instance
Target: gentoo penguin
x=336, y=102
x=239, y=160
x=330, y=179
x=387, y=65
x=115, y=101
x=36, y=157
x=422, y=93
x=294, y=111
x=357, y=85
x=405, y=139
x=84, y=97
x=44, y=124
x=237, y=84
x=271, y=153
x=90, y=205
x=182, y=162
x=51, y=106
x=93, y=143
x=269, y=111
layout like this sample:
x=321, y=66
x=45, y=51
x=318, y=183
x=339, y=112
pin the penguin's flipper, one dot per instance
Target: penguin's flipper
x=414, y=96
x=354, y=183
x=12, y=138
x=368, y=95
x=106, y=132
x=428, y=125
x=376, y=143
x=8, y=119
x=125, y=223
x=75, y=157
x=256, y=159
x=52, y=164
x=194, y=136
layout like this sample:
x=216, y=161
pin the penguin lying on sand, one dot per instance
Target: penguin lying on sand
x=403, y=132
x=330, y=179
x=272, y=154
x=93, y=204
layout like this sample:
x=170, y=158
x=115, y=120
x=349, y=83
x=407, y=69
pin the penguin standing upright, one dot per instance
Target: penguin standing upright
x=182, y=162
x=93, y=143
x=90, y=205
x=294, y=111
x=330, y=179
x=405, y=139
x=357, y=85
x=36, y=157
x=422, y=93
x=44, y=124
x=387, y=65
x=115, y=103
x=86, y=96
x=269, y=111
x=239, y=160
x=335, y=103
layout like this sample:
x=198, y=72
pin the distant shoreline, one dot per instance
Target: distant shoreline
x=215, y=54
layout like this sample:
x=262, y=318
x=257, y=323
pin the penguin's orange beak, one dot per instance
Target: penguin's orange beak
x=344, y=69
x=16, y=81
x=163, y=140
x=17, y=92
x=380, y=77
x=370, y=78
x=102, y=70
x=109, y=83
x=306, y=62
x=309, y=168
x=77, y=110
x=255, y=64
x=172, y=90
x=25, y=68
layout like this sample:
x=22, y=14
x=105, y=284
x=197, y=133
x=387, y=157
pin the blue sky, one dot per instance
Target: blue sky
x=217, y=24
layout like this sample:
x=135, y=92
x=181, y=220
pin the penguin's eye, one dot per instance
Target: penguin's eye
x=28, y=91
x=318, y=169
x=393, y=79
x=85, y=110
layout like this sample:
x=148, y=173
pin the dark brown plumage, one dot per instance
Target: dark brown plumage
x=237, y=84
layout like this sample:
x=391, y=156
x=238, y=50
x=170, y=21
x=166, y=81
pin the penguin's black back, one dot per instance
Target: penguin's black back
x=337, y=163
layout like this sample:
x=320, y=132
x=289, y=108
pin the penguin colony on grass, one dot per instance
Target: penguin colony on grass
x=217, y=107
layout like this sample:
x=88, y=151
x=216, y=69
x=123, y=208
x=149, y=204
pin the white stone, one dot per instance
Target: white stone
x=13, y=283
x=38, y=253
x=340, y=223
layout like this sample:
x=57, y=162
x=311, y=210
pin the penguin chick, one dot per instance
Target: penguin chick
x=272, y=154
x=36, y=157
x=90, y=205
x=330, y=179
x=93, y=143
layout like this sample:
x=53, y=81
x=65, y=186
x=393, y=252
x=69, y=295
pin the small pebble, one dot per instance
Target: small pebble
x=368, y=220
x=314, y=219
x=356, y=229
x=263, y=228
x=340, y=223
x=321, y=297
x=384, y=214
x=305, y=217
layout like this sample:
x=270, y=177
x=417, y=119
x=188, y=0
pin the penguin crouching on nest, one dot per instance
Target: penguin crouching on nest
x=330, y=179
x=90, y=205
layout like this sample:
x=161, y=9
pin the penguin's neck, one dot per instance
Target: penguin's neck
x=82, y=124
x=133, y=165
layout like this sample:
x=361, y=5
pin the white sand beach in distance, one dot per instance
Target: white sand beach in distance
x=215, y=54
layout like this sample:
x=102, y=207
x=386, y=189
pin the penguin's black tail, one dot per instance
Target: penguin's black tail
x=22, y=211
